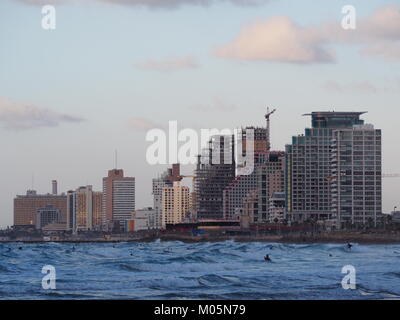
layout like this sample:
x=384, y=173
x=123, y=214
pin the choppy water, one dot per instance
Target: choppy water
x=176, y=270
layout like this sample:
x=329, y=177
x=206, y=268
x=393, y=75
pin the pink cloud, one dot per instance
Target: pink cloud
x=281, y=39
x=22, y=116
x=277, y=39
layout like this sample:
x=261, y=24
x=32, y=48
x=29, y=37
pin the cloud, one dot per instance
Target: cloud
x=170, y=64
x=277, y=39
x=142, y=124
x=166, y=4
x=362, y=86
x=20, y=116
x=281, y=39
x=217, y=105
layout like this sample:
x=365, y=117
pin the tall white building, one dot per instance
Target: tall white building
x=175, y=203
x=356, y=181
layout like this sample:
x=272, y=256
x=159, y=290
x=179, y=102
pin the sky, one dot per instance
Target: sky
x=113, y=69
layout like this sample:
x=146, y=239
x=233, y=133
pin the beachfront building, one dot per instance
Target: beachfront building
x=46, y=216
x=308, y=166
x=167, y=179
x=175, y=203
x=84, y=209
x=214, y=172
x=118, y=199
x=26, y=206
x=356, y=176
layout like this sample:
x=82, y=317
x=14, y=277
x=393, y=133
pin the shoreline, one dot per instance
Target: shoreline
x=339, y=238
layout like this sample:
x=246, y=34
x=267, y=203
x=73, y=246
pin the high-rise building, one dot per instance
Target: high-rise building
x=356, y=176
x=26, y=206
x=84, y=209
x=308, y=165
x=242, y=184
x=270, y=180
x=165, y=180
x=175, y=203
x=118, y=197
x=215, y=170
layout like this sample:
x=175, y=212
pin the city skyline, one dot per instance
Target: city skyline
x=71, y=138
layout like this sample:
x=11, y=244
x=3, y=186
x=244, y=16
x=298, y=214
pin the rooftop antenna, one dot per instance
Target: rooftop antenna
x=116, y=159
x=33, y=181
x=267, y=115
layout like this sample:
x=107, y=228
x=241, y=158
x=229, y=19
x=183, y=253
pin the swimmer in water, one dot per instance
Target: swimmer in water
x=267, y=258
x=349, y=245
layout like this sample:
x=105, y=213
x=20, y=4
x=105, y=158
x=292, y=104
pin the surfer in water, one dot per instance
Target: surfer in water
x=349, y=245
x=267, y=258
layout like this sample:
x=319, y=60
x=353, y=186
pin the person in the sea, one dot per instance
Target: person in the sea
x=349, y=245
x=267, y=258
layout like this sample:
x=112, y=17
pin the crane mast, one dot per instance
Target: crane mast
x=267, y=116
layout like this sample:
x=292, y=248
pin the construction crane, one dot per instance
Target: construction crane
x=267, y=115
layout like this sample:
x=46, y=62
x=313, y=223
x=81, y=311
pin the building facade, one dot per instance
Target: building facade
x=356, y=176
x=165, y=180
x=308, y=166
x=84, y=209
x=270, y=180
x=118, y=197
x=46, y=216
x=175, y=203
x=214, y=172
x=26, y=206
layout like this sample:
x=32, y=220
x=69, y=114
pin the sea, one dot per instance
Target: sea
x=203, y=270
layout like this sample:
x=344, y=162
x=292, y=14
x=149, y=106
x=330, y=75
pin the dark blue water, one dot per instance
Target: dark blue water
x=176, y=270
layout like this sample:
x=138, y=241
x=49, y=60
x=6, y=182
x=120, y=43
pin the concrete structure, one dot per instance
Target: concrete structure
x=356, y=176
x=165, y=180
x=308, y=166
x=84, y=209
x=270, y=180
x=26, y=206
x=46, y=216
x=118, y=197
x=215, y=170
x=175, y=203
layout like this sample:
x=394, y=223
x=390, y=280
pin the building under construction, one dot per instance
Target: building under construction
x=215, y=170
x=221, y=186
